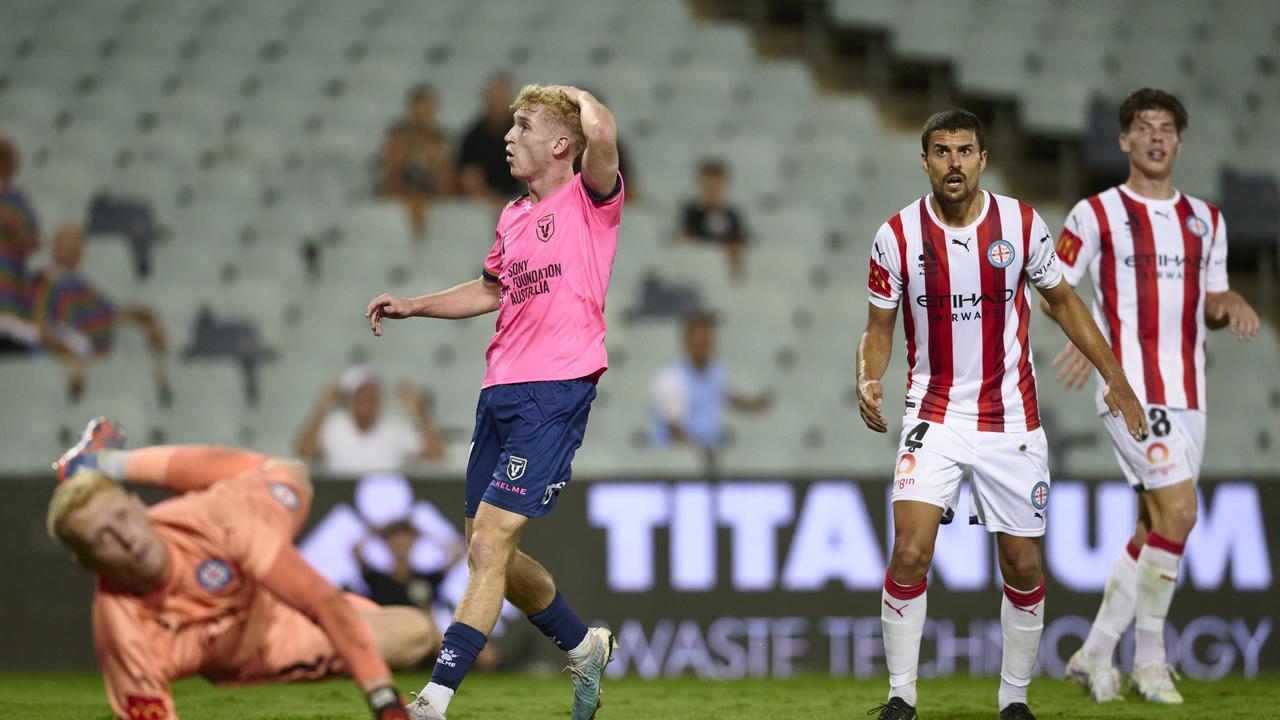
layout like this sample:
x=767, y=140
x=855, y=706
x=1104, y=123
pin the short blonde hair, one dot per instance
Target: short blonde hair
x=71, y=496
x=557, y=109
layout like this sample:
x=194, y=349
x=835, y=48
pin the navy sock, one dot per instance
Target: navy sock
x=560, y=623
x=458, y=651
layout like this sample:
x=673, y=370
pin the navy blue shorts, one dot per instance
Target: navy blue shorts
x=523, y=444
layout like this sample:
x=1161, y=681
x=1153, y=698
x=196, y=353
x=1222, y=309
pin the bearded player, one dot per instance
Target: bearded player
x=1158, y=262
x=208, y=582
x=960, y=262
x=546, y=275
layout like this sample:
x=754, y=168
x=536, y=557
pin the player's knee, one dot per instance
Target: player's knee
x=1182, y=518
x=1021, y=569
x=487, y=553
x=911, y=560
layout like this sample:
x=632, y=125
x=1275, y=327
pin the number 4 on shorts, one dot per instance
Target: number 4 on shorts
x=915, y=438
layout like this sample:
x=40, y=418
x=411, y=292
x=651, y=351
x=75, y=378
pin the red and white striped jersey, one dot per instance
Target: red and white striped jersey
x=967, y=310
x=1151, y=262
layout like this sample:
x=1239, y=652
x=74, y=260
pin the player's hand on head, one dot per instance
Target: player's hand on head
x=1073, y=367
x=870, y=401
x=572, y=93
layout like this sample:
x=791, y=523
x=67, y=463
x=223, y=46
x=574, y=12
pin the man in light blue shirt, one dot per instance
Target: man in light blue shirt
x=689, y=395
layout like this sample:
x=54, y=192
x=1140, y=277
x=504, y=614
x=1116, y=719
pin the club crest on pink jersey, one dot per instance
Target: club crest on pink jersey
x=546, y=227
x=213, y=575
x=284, y=495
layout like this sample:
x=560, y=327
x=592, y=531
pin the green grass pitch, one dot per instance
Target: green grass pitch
x=79, y=696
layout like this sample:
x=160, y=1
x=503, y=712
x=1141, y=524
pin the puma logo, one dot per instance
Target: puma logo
x=897, y=610
x=964, y=244
x=1030, y=611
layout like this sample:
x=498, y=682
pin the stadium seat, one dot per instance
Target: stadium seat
x=33, y=388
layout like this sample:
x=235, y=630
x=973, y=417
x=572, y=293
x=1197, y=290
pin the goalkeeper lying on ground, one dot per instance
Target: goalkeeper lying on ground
x=208, y=582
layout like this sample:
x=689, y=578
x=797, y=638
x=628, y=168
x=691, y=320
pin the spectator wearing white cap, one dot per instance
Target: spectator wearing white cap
x=348, y=434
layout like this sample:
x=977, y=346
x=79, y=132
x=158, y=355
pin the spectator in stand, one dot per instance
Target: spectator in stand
x=416, y=162
x=349, y=435
x=710, y=218
x=71, y=309
x=482, y=161
x=690, y=395
x=19, y=237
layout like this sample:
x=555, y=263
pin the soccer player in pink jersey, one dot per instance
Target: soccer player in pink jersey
x=208, y=582
x=959, y=262
x=1158, y=262
x=546, y=275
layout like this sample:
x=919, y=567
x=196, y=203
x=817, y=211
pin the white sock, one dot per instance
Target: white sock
x=902, y=613
x=1157, y=577
x=584, y=648
x=111, y=463
x=1021, y=623
x=1119, y=603
x=438, y=695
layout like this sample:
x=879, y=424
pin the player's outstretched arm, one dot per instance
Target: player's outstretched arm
x=469, y=299
x=600, y=158
x=1229, y=308
x=298, y=585
x=874, y=351
x=184, y=468
x=1066, y=308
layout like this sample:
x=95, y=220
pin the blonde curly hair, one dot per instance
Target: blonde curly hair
x=70, y=496
x=556, y=108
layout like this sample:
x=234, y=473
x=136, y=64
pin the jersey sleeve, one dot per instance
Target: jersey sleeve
x=603, y=211
x=1042, y=261
x=132, y=675
x=493, y=262
x=884, y=280
x=256, y=522
x=1216, y=281
x=1078, y=242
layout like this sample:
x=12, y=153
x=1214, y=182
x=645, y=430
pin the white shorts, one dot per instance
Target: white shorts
x=1171, y=454
x=1009, y=473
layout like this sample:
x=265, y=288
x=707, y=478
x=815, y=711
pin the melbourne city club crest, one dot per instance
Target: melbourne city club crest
x=1000, y=253
x=1040, y=495
x=546, y=226
x=1197, y=226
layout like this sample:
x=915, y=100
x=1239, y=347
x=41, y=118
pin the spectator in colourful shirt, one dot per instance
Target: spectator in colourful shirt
x=19, y=237
x=71, y=309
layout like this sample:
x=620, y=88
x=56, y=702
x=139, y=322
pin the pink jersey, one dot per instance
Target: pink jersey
x=967, y=310
x=1151, y=262
x=553, y=260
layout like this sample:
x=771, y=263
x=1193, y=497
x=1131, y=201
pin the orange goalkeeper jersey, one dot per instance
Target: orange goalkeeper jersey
x=210, y=614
